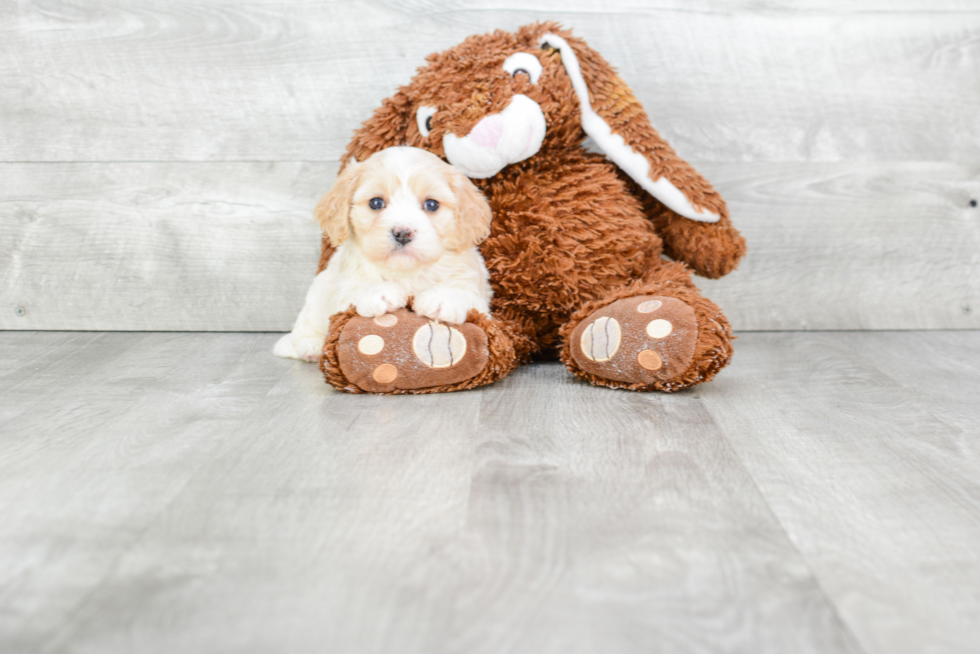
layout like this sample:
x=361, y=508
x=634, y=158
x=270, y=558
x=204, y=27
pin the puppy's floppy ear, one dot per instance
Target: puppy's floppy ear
x=333, y=210
x=473, y=213
x=616, y=121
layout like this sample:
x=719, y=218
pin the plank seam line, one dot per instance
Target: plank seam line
x=838, y=618
x=69, y=626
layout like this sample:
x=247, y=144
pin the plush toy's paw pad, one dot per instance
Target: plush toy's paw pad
x=403, y=351
x=637, y=340
x=439, y=346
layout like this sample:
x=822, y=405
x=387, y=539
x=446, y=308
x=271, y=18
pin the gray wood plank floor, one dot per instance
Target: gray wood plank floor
x=183, y=492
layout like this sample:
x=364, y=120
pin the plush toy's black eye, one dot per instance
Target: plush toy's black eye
x=521, y=70
x=428, y=123
x=376, y=203
x=431, y=205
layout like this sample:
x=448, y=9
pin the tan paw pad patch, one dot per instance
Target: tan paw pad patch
x=659, y=328
x=387, y=320
x=439, y=346
x=385, y=373
x=371, y=344
x=600, y=340
x=649, y=360
x=649, y=306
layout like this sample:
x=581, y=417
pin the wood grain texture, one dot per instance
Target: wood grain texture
x=189, y=492
x=232, y=246
x=747, y=81
x=98, y=434
x=866, y=446
x=218, y=246
x=852, y=246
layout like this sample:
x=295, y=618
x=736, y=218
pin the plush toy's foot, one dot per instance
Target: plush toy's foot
x=648, y=342
x=402, y=352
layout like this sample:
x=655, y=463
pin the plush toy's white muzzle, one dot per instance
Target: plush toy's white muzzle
x=513, y=135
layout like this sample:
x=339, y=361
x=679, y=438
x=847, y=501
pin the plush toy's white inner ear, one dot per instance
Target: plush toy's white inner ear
x=616, y=148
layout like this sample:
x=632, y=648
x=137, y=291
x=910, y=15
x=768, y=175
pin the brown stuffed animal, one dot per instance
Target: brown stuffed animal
x=575, y=248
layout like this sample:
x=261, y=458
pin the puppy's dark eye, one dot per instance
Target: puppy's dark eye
x=376, y=203
x=521, y=70
x=428, y=123
x=430, y=205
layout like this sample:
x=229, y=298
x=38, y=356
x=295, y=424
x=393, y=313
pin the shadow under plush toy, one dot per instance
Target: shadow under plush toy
x=574, y=252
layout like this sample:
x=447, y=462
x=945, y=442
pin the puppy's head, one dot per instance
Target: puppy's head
x=405, y=208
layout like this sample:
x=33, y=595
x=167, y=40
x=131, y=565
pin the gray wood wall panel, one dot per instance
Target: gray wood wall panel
x=852, y=246
x=152, y=169
x=232, y=246
x=191, y=246
x=151, y=81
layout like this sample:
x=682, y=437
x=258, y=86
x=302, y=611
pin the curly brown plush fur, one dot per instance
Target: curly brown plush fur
x=571, y=231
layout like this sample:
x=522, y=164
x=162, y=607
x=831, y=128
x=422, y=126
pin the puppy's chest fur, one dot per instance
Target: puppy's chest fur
x=348, y=272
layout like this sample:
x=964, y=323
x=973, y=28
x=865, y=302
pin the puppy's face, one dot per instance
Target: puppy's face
x=404, y=208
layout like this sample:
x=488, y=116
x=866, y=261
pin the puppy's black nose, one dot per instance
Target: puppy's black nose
x=402, y=234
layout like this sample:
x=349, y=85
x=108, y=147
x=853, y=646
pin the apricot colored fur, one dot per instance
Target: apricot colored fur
x=571, y=232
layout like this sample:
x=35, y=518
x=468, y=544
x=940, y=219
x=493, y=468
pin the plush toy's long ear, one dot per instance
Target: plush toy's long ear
x=615, y=120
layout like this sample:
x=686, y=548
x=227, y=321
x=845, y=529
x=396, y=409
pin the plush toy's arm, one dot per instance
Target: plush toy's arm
x=712, y=249
x=690, y=215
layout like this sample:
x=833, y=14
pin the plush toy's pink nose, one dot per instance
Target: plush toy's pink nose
x=488, y=131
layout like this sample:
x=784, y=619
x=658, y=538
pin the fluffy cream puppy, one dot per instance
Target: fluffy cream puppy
x=405, y=224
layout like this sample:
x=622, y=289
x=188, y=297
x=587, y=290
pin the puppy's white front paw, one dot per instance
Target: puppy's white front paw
x=284, y=348
x=381, y=299
x=444, y=304
x=309, y=348
x=304, y=348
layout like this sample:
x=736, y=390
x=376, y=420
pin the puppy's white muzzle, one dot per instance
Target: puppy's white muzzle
x=513, y=135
